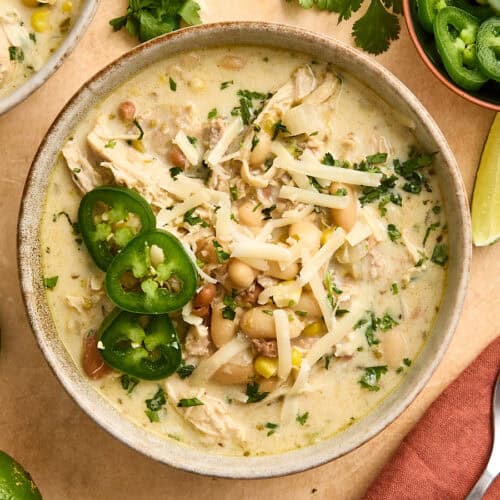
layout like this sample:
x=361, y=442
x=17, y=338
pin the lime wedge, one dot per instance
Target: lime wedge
x=486, y=198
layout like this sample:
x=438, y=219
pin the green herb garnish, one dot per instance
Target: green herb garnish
x=253, y=394
x=187, y=403
x=393, y=232
x=440, y=254
x=51, y=282
x=371, y=377
x=128, y=383
x=146, y=19
x=222, y=256
x=302, y=419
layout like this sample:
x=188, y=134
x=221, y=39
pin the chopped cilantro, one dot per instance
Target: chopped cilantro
x=128, y=383
x=407, y=362
x=440, y=254
x=225, y=85
x=255, y=141
x=376, y=158
x=302, y=419
x=269, y=312
x=141, y=131
x=110, y=144
x=16, y=54
x=328, y=160
x=187, y=403
x=157, y=401
x=436, y=209
x=185, y=371
x=193, y=220
x=212, y=113
x=234, y=192
x=386, y=322
x=152, y=415
x=267, y=211
x=147, y=19
x=174, y=172
x=192, y=140
x=371, y=377
x=172, y=83
x=51, y=282
x=393, y=232
x=411, y=171
x=253, y=394
x=371, y=194
x=278, y=128
x=272, y=428
x=222, y=256
x=394, y=289
x=302, y=314
x=229, y=312
x=432, y=227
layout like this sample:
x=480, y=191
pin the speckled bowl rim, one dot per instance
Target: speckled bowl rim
x=168, y=451
x=427, y=61
x=55, y=61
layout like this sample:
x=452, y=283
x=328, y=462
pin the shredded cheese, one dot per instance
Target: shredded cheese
x=190, y=152
x=312, y=266
x=378, y=229
x=165, y=216
x=299, y=195
x=230, y=133
x=282, y=326
x=224, y=224
x=310, y=165
x=321, y=297
x=358, y=233
x=209, y=366
x=259, y=250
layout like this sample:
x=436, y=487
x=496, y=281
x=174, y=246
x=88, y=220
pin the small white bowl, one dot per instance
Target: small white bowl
x=83, y=20
x=319, y=47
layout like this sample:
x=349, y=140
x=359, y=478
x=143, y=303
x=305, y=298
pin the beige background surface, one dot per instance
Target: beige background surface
x=68, y=454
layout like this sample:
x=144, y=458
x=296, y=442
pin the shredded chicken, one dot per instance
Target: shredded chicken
x=84, y=175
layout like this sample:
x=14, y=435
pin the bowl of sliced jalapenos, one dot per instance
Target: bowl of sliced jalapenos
x=459, y=41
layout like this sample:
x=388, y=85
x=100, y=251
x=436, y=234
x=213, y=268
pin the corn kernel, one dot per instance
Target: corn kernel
x=266, y=367
x=40, y=21
x=315, y=329
x=325, y=235
x=197, y=84
x=67, y=7
x=138, y=146
x=296, y=358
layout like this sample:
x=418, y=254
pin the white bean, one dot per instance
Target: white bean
x=261, y=151
x=345, y=217
x=241, y=274
x=289, y=272
x=237, y=371
x=249, y=214
x=307, y=233
x=258, y=323
x=221, y=330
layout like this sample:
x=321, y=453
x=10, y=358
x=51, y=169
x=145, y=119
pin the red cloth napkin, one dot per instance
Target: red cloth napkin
x=444, y=455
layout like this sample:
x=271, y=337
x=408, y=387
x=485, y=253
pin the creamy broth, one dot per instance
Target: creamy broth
x=362, y=316
x=30, y=31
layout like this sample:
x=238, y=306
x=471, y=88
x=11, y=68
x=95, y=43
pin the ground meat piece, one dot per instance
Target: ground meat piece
x=267, y=348
x=212, y=132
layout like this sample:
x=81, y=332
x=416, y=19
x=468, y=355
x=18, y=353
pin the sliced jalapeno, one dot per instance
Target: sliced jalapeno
x=488, y=47
x=152, y=275
x=455, y=31
x=109, y=218
x=145, y=347
x=428, y=9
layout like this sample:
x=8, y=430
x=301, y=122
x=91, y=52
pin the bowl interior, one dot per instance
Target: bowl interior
x=36, y=80
x=285, y=37
x=489, y=93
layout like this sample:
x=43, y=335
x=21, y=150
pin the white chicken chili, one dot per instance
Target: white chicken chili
x=311, y=221
x=30, y=31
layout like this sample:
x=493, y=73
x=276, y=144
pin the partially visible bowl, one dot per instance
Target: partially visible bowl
x=86, y=15
x=487, y=97
x=243, y=33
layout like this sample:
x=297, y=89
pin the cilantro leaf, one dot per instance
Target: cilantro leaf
x=375, y=30
x=146, y=19
x=372, y=375
x=254, y=396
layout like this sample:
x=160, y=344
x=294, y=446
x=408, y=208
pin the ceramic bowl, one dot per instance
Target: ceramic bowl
x=87, y=13
x=487, y=97
x=317, y=46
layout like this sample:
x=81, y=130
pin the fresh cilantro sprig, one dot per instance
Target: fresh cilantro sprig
x=146, y=19
x=375, y=29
